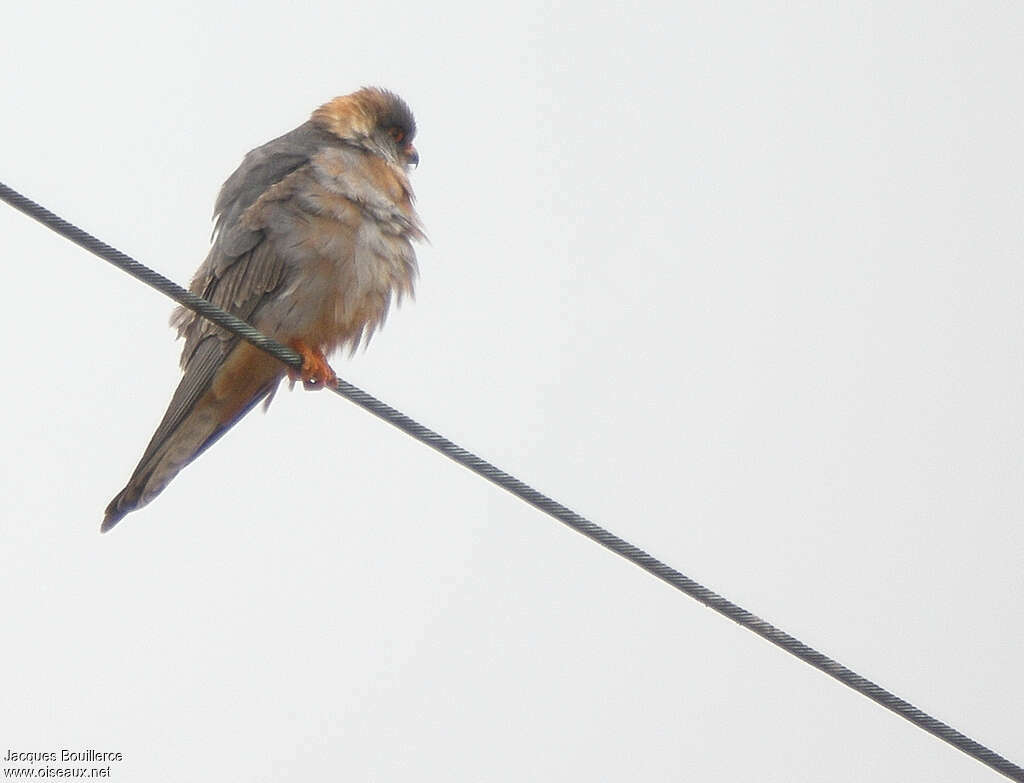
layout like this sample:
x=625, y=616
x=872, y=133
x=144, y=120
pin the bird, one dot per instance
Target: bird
x=313, y=239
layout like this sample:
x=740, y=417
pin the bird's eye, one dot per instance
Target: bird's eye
x=397, y=134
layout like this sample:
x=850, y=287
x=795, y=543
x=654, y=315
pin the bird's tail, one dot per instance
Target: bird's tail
x=199, y=430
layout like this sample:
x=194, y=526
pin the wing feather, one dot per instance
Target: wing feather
x=241, y=271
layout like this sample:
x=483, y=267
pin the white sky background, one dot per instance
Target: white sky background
x=743, y=285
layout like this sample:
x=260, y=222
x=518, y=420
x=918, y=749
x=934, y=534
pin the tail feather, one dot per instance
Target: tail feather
x=199, y=430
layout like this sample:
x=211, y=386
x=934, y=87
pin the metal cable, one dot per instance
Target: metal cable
x=525, y=492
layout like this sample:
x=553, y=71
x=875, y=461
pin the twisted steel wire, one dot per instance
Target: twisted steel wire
x=527, y=493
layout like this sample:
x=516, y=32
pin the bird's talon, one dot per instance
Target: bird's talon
x=316, y=373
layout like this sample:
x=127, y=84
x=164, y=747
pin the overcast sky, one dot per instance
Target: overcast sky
x=742, y=284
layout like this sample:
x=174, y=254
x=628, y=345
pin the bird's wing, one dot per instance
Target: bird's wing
x=240, y=273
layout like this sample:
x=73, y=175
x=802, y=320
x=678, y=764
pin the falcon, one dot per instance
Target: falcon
x=312, y=241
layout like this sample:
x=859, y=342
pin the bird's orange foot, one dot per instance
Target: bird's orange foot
x=316, y=373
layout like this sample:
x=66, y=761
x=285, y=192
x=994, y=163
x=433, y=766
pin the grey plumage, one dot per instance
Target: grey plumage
x=312, y=239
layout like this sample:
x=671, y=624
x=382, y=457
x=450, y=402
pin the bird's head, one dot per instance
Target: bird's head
x=374, y=119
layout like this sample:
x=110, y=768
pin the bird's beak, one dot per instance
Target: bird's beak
x=411, y=155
